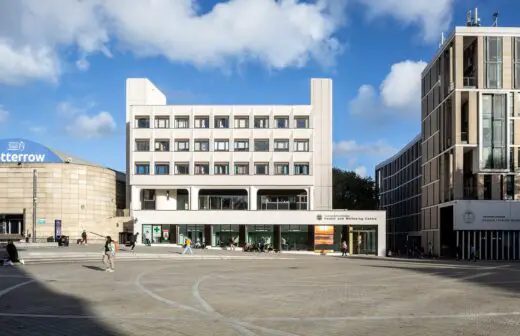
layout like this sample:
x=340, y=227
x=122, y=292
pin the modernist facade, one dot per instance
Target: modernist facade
x=236, y=173
x=471, y=144
x=70, y=194
x=398, y=182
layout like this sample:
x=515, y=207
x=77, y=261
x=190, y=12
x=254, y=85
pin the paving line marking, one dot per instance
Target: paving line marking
x=9, y=289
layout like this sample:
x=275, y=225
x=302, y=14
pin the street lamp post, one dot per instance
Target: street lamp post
x=35, y=177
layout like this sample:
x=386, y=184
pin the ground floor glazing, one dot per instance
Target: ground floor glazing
x=488, y=244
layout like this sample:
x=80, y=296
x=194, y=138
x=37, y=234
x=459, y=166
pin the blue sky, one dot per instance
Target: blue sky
x=63, y=65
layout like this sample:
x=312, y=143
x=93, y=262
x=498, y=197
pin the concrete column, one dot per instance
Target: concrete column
x=516, y=105
x=242, y=235
x=472, y=118
x=507, y=72
x=277, y=237
x=208, y=233
x=458, y=173
x=253, y=198
x=136, y=199
x=459, y=62
x=194, y=198
x=310, y=237
x=452, y=65
x=456, y=118
x=480, y=62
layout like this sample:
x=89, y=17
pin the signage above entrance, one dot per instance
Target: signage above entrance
x=26, y=151
x=346, y=217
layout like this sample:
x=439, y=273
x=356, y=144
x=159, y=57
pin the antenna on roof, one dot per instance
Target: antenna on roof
x=443, y=39
x=495, y=19
x=472, y=20
x=469, y=19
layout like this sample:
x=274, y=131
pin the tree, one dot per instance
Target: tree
x=353, y=192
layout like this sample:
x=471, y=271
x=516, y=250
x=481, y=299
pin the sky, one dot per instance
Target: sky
x=63, y=64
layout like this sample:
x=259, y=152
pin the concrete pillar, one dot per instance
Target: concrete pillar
x=452, y=65
x=472, y=118
x=516, y=106
x=310, y=237
x=458, y=172
x=253, y=198
x=277, y=237
x=208, y=233
x=194, y=198
x=507, y=70
x=136, y=199
x=480, y=62
x=242, y=235
x=456, y=119
x=459, y=61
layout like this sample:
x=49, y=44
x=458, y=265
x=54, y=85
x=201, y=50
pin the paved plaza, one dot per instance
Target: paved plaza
x=273, y=295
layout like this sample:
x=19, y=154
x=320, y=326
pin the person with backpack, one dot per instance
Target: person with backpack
x=109, y=255
x=12, y=252
x=187, y=246
x=84, y=237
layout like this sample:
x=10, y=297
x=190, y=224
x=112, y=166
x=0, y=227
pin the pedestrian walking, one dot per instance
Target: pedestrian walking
x=133, y=240
x=148, y=238
x=344, y=248
x=109, y=254
x=187, y=246
x=12, y=252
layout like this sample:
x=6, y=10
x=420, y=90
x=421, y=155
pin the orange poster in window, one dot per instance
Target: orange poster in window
x=323, y=237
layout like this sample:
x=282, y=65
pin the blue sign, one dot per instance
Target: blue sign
x=57, y=228
x=41, y=221
x=26, y=151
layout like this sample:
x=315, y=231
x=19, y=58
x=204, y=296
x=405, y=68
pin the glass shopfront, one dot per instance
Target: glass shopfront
x=489, y=244
x=295, y=237
x=159, y=234
x=223, y=234
x=255, y=233
x=363, y=239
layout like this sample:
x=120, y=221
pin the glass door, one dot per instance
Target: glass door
x=364, y=240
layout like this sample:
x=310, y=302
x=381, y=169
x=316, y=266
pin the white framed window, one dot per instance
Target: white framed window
x=301, y=145
x=142, y=122
x=162, y=122
x=241, y=145
x=162, y=168
x=182, y=145
x=182, y=168
x=142, y=168
x=201, y=122
x=261, y=122
x=201, y=145
x=162, y=145
x=261, y=168
x=301, y=169
x=201, y=168
x=221, y=145
x=281, y=122
x=221, y=122
x=241, y=122
x=281, y=145
x=241, y=168
x=142, y=145
x=281, y=168
x=182, y=122
x=301, y=122
x=261, y=145
x=221, y=168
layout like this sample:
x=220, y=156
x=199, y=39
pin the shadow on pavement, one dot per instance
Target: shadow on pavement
x=94, y=268
x=30, y=307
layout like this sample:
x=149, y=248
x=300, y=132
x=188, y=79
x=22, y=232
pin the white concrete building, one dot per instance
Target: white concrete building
x=184, y=159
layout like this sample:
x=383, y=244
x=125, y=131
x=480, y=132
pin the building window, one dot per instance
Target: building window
x=221, y=122
x=512, y=131
x=487, y=187
x=301, y=145
x=221, y=169
x=142, y=145
x=261, y=122
x=142, y=169
x=202, y=145
x=241, y=122
x=182, y=145
x=510, y=187
x=261, y=168
x=516, y=70
x=302, y=122
x=142, y=122
x=221, y=145
x=281, y=145
x=182, y=168
x=242, y=168
x=281, y=168
x=301, y=169
x=201, y=168
x=494, y=135
x=262, y=145
x=281, y=122
x=201, y=122
x=162, y=145
x=182, y=122
x=162, y=169
x=493, y=62
x=241, y=145
x=162, y=122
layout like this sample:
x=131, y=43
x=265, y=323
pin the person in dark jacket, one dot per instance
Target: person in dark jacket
x=12, y=251
x=133, y=240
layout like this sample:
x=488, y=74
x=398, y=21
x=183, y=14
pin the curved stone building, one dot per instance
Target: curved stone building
x=45, y=193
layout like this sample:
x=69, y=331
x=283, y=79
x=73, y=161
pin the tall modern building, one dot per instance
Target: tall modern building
x=238, y=173
x=398, y=182
x=471, y=144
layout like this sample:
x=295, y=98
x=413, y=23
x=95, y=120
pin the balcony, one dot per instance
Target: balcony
x=470, y=82
x=223, y=202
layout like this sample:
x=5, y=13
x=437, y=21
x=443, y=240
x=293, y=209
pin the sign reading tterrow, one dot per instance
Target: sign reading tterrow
x=25, y=151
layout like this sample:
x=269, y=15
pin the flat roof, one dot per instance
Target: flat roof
x=401, y=151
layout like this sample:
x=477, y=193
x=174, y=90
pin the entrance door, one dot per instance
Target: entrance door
x=364, y=240
x=195, y=233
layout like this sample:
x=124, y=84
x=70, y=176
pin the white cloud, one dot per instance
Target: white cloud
x=433, y=17
x=399, y=92
x=4, y=114
x=361, y=171
x=67, y=109
x=278, y=34
x=96, y=126
x=37, y=129
x=354, y=149
x=83, y=64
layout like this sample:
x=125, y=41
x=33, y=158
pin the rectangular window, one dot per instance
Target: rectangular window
x=221, y=169
x=201, y=168
x=512, y=159
x=182, y=168
x=493, y=61
x=162, y=169
x=142, y=169
x=182, y=145
x=301, y=145
x=242, y=168
x=510, y=187
x=142, y=145
x=241, y=145
x=281, y=168
x=261, y=168
x=162, y=122
x=201, y=145
x=494, y=135
x=281, y=122
x=221, y=145
x=162, y=145
x=261, y=145
x=512, y=131
x=241, y=122
x=516, y=70
x=281, y=145
x=301, y=169
x=302, y=122
x=142, y=122
x=221, y=122
x=261, y=122
x=487, y=187
x=201, y=122
x=182, y=122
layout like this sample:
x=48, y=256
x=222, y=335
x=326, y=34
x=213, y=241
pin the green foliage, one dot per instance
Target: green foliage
x=353, y=192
